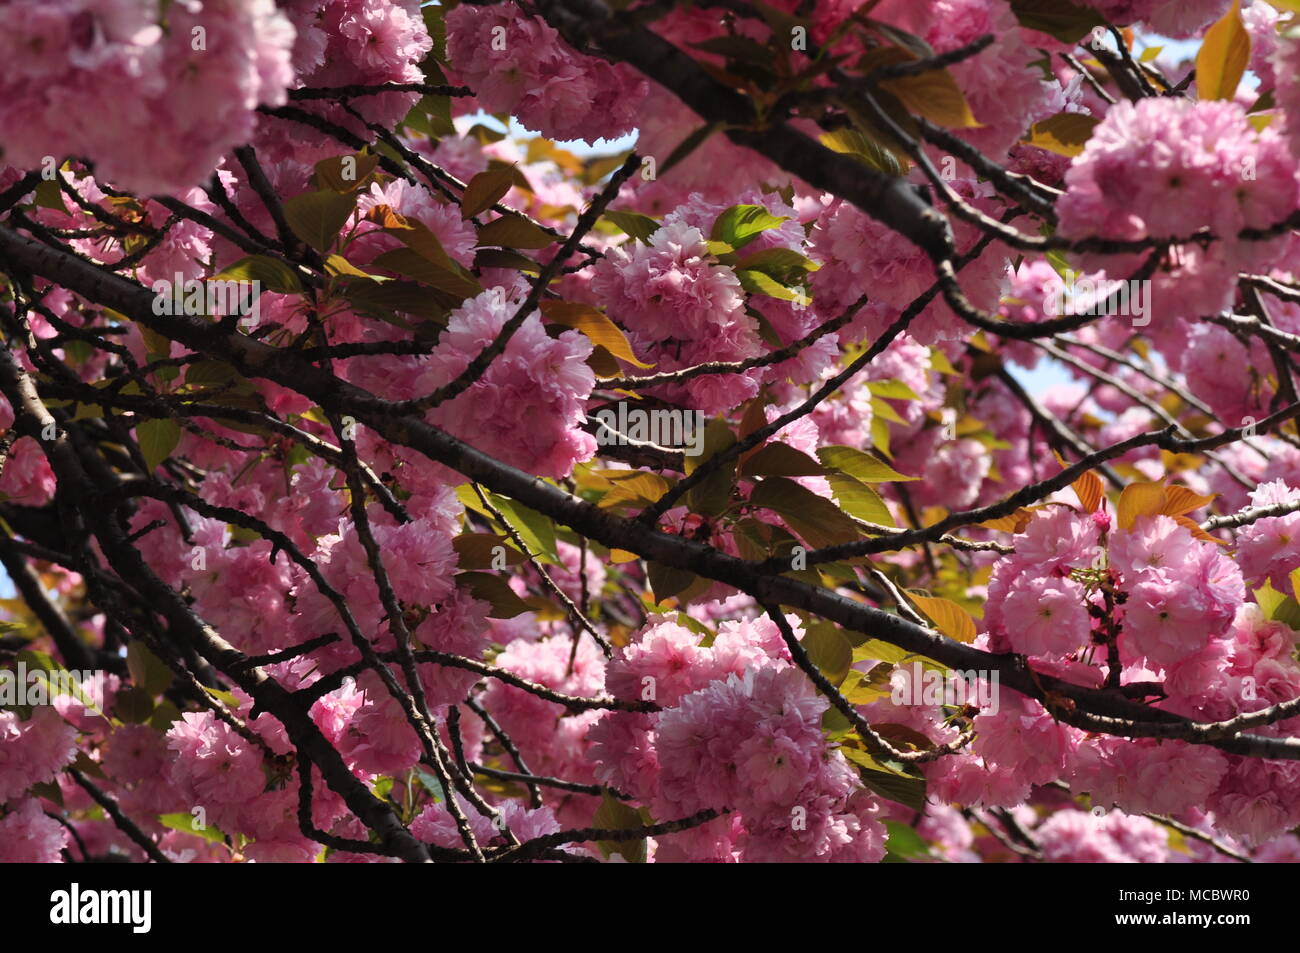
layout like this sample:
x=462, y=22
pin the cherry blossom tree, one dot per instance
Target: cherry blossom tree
x=588, y=430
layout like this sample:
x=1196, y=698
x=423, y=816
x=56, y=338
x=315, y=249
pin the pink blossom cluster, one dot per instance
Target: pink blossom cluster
x=529, y=406
x=1170, y=167
x=681, y=308
x=741, y=733
x=518, y=64
x=344, y=43
x=180, y=97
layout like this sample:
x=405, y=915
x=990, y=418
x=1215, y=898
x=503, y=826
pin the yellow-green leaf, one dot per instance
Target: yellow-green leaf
x=186, y=824
x=854, y=142
x=616, y=815
x=829, y=650
x=639, y=226
x=816, y=519
x=780, y=459
x=344, y=174
x=859, y=465
x=273, y=274
x=1065, y=133
x=935, y=95
x=157, y=439
x=858, y=499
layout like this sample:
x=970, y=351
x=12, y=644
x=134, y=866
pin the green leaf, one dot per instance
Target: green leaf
x=147, y=670
x=504, y=258
x=639, y=226
x=37, y=661
x=616, y=815
x=935, y=95
x=338, y=265
x=855, y=143
x=781, y=459
x=344, y=176
x=817, y=520
x=1065, y=133
x=741, y=224
x=894, y=390
x=165, y=714
x=712, y=496
x=383, y=299
x=858, y=499
x=759, y=282
x=48, y=790
x=480, y=550
x=880, y=435
x=876, y=650
x=904, y=841
x=1278, y=607
x=226, y=698
x=666, y=582
x=863, y=467
x=536, y=530
x=736, y=47
x=829, y=650
x=1068, y=22
x=184, y=823
x=317, y=217
x=899, y=788
x=411, y=264
x=211, y=373
x=514, y=231
x=436, y=25
x=496, y=591
x=157, y=439
x=271, y=274
x=782, y=264
x=633, y=488
x=133, y=705
x=49, y=195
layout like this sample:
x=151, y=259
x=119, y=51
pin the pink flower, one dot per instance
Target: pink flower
x=680, y=308
x=1081, y=837
x=660, y=666
x=27, y=836
x=1170, y=167
x=32, y=751
x=1154, y=543
x=1024, y=740
x=1147, y=777
x=213, y=766
x=1270, y=548
x=1046, y=616
x=519, y=64
x=27, y=478
x=1057, y=537
x=528, y=408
